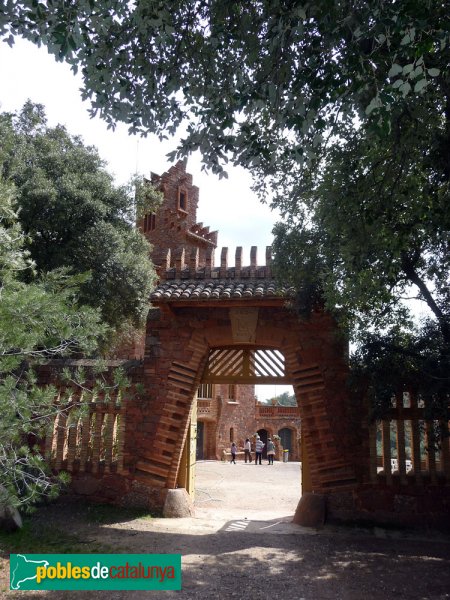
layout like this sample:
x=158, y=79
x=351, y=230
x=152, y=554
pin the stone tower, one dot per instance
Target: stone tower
x=174, y=226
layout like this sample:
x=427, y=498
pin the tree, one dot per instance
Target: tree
x=279, y=88
x=370, y=231
x=38, y=320
x=399, y=360
x=75, y=217
x=372, y=227
x=261, y=82
x=284, y=399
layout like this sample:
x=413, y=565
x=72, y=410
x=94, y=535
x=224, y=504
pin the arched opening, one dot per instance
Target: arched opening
x=229, y=411
x=241, y=491
x=264, y=435
x=286, y=436
x=220, y=354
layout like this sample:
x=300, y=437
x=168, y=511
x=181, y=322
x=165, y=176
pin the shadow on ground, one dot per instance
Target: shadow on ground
x=271, y=559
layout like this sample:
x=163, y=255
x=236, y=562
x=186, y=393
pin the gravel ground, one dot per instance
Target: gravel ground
x=241, y=544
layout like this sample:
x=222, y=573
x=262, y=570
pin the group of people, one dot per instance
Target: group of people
x=259, y=447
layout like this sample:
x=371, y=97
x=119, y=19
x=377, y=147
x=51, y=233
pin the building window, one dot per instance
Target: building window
x=205, y=391
x=149, y=223
x=231, y=434
x=232, y=392
x=182, y=200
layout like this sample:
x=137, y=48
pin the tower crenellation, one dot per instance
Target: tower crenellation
x=173, y=227
x=184, y=248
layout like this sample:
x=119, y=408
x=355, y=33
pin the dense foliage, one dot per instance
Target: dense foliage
x=72, y=270
x=75, y=217
x=340, y=109
x=415, y=360
x=40, y=319
x=372, y=227
x=261, y=82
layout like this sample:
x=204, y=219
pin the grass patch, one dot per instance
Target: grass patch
x=37, y=538
x=53, y=529
x=43, y=534
x=107, y=514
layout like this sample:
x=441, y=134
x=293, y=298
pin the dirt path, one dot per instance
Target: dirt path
x=228, y=491
x=239, y=551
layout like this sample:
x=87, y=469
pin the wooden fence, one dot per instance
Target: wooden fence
x=87, y=437
x=405, y=448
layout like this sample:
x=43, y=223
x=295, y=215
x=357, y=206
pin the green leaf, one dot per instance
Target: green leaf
x=433, y=72
x=417, y=72
x=300, y=12
x=395, y=70
x=373, y=104
x=405, y=88
x=405, y=40
x=408, y=68
x=420, y=85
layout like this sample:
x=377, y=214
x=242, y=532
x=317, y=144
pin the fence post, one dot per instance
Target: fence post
x=445, y=452
x=386, y=430
x=415, y=441
x=401, y=453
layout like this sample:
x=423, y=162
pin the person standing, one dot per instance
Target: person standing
x=247, y=451
x=270, y=451
x=233, y=453
x=259, y=446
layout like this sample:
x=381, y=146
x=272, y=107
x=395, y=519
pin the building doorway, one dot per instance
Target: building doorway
x=199, y=454
x=286, y=439
x=263, y=434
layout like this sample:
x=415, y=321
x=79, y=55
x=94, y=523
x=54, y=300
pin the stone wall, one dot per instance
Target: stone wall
x=237, y=418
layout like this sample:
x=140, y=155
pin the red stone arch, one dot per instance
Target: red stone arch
x=269, y=427
x=177, y=348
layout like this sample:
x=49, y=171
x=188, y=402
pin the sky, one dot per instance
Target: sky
x=226, y=205
x=230, y=206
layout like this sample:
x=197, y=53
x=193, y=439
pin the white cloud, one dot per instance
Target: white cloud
x=227, y=205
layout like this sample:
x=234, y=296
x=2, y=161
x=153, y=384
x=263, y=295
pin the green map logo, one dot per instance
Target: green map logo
x=95, y=572
x=24, y=570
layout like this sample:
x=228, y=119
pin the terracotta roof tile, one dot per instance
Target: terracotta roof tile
x=183, y=290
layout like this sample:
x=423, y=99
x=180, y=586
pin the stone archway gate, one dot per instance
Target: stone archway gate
x=231, y=325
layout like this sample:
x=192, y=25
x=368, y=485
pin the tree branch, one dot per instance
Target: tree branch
x=427, y=296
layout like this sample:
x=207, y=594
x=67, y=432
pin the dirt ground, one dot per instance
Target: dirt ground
x=241, y=544
x=228, y=491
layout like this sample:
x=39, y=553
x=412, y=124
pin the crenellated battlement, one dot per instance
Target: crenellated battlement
x=184, y=252
x=198, y=231
x=185, y=264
